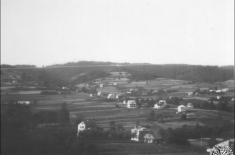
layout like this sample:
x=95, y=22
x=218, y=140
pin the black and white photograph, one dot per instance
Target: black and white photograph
x=117, y=77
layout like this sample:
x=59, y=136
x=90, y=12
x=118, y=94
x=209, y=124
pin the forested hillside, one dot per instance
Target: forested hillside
x=79, y=72
x=182, y=72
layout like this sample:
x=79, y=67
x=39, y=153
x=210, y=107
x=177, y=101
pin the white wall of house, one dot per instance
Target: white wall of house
x=111, y=96
x=137, y=131
x=131, y=104
x=181, y=108
x=161, y=104
x=81, y=127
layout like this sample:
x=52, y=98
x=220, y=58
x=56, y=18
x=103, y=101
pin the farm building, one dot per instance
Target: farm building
x=161, y=104
x=131, y=104
x=152, y=138
x=139, y=133
x=218, y=91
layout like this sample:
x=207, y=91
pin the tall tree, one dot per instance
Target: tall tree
x=63, y=115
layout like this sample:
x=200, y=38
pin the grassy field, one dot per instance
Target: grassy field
x=107, y=147
x=110, y=90
x=166, y=84
x=81, y=105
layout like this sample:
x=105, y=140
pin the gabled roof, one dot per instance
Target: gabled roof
x=153, y=135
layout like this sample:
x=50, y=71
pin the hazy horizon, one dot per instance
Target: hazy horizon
x=114, y=63
x=47, y=32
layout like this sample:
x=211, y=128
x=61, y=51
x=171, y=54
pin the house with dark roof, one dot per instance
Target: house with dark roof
x=153, y=138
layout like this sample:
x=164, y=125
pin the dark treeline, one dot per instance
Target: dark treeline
x=87, y=71
x=194, y=73
x=16, y=66
x=82, y=63
x=20, y=134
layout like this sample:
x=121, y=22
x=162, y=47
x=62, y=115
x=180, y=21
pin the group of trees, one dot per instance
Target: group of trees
x=56, y=76
x=20, y=134
x=115, y=132
x=193, y=73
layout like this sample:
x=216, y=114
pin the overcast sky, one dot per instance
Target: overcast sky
x=45, y=32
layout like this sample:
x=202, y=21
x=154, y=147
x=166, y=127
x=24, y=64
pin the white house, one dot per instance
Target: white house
x=99, y=93
x=190, y=105
x=117, y=96
x=111, y=96
x=225, y=90
x=181, y=108
x=81, y=127
x=218, y=91
x=161, y=104
x=190, y=93
x=218, y=97
x=139, y=133
x=101, y=85
x=131, y=104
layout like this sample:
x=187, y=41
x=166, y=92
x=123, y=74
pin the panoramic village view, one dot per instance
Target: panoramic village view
x=117, y=77
x=109, y=108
